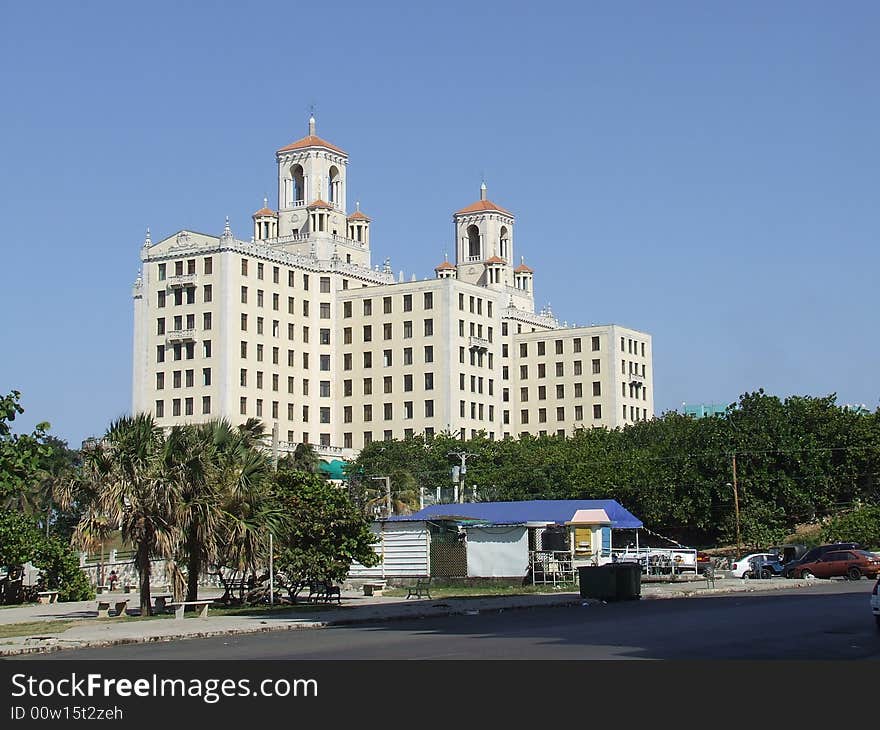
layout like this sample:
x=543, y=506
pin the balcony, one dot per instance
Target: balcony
x=636, y=379
x=479, y=343
x=181, y=281
x=180, y=336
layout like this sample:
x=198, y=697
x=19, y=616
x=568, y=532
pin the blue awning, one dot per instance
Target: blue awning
x=557, y=511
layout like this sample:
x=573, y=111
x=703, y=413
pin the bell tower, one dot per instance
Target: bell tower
x=312, y=175
x=484, y=243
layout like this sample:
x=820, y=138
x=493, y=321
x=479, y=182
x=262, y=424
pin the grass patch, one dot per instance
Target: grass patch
x=35, y=628
x=488, y=590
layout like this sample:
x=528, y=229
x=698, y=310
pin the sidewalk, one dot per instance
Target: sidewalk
x=89, y=631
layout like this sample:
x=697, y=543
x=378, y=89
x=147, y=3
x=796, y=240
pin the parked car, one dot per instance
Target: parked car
x=742, y=568
x=852, y=564
x=875, y=602
x=813, y=553
x=703, y=561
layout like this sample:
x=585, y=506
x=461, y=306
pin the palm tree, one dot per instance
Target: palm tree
x=303, y=458
x=129, y=488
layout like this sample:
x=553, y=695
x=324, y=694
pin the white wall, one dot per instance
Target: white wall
x=497, y=552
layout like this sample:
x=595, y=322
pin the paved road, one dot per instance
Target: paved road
x=829, y=621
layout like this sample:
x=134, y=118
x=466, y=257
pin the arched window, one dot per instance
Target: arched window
x=503, y=244
x=333, y=185
x=473, y=234
x=299, y=183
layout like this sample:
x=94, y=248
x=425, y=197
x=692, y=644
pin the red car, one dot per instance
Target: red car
x=852, y=564
x=703, y=560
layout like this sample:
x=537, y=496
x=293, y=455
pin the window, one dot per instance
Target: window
x=523, y=372
x=407, y=356
x=206, y=321
x=368, y=359
x=346, y=361
x=542, y=392
x=368, y=437
x=346, y=414
x=346, y=388
x=346, y=336
x=305, y=307
x=275, y=382
x=259, y=271
x=523, y=395
x=429, y=327
x=368, y=386
x=524, y=416
x=259, y=379
x=560, y=413
x=386, y=384
x=541, y=348
x=407, y=382
x=325, y=310
x=523, y=349
x=160, y=409
x=275, y=302
x=161, y=272
x=324, y=414
x=560, y=369
x=275, y=273
x=161, y=300
x=178, y=296
x=542, y=370
x=560, y=392
x=578, y=390
x=290, y=384
x=290, y=278
x=408, y=409
x=306, y=282
x=407, y=302
x=324, y=337
x=243, y=322
x=596, y=369
x=188, y=406
x=597, y=411
x=368, y=333
x=290, y=309
x=305, y=386
x=325, y=285
x=242, y=405
x=259, y=353
x=578, y=367
x=386, y=358
x=259, y=406
x=160, y=381
x=160, y=326
x=407, y=329
x=429, y=381
x=542, y=415
x=175, y=407
x=429, y=300
x=305, y=334
x=305, y=357
x=244, y=295
x=643, y=349
x=190, y=378
x=244, y=267
x=346, y=310
x=368, y=307
x=387, y=411
x=461, y=354
x=386, y=305
x=206, y=348
x=597, y=388
x=429, y=353
x=207, y=293
x=386, y=331
x=429, y=408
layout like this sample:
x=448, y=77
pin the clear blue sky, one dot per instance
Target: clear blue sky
x=706, y=172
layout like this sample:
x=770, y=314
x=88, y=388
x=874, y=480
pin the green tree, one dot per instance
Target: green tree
x=322, y=532
x=126, y=488
x=21, y=455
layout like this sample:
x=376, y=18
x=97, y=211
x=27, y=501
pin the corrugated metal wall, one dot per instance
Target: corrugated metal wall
x=403, y=548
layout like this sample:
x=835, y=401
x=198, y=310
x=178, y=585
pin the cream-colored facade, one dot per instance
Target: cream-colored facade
x=296, y=327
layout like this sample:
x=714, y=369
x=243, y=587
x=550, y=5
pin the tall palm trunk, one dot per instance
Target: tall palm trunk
x=193, y=567
x=145, y=573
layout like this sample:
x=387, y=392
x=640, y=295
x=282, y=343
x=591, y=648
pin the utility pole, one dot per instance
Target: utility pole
x=736, y=508
x=462, y=471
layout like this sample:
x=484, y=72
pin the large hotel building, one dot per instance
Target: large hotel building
x=297, y=328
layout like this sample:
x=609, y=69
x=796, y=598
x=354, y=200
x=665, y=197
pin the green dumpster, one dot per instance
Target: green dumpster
x=629, y=581
x=611, y=582
x=598, y=581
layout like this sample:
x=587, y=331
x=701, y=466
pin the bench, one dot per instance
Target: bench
x=160, y=601
x=104, y=608
x=102, y=589
x=323, y=591
x=374, y=589
x=420, y=589
x=180, y=606
x=47, y=597
x=129, y=588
